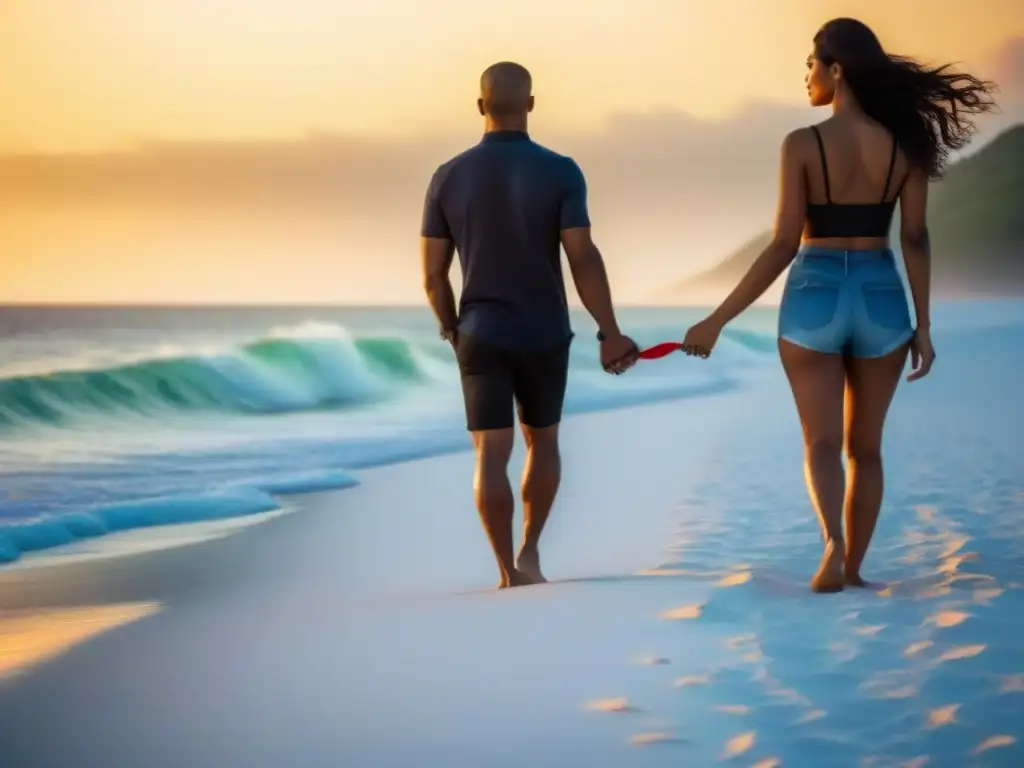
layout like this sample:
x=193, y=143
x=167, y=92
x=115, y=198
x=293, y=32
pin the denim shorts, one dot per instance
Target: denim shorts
x=845, y=302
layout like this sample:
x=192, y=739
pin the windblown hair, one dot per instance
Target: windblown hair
x=928, y=110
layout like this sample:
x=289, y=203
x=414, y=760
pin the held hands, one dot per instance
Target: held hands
x=701, y=338
x=619, y=353
x=922, y=354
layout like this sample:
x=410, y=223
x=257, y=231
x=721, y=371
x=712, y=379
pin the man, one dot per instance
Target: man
x=506, y=205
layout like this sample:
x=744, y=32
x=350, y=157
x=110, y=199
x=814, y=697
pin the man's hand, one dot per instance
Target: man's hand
x=451, y=336
x=619, y=353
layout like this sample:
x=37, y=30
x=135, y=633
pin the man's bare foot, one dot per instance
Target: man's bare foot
x=830, y=577
x=515, y=579
x=528, y=564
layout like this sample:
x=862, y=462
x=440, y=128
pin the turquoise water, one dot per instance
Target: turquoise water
x=119, y=418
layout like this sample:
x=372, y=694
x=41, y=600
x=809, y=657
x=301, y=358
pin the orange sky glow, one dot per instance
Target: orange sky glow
x=108, y=75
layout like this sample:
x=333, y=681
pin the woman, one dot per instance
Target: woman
x=844, y=326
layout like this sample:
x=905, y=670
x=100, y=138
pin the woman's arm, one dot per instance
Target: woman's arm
x=916, y=247
x=789, y=225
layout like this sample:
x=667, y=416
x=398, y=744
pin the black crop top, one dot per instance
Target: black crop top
x=850, y=219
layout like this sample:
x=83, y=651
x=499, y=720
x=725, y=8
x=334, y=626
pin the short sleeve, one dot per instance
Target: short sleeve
x=434, y=222
x=574, y=213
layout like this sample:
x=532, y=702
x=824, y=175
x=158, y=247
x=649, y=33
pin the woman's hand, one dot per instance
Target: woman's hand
x=701, y=338
x=922, y=354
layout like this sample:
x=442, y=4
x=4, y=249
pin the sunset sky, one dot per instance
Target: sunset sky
x=107, y=75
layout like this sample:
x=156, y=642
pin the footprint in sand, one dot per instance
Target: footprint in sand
x=734, y=579
x=611, y=705
x=886, y=686
x=954, y=546
x=946, y=619
x=689, y=680
x=986, y=596
x=788, y=695
x=648, y=739
x=683, y=612
x=1012, y=684
x=942, y=716
x=994, y=742
x=915, y=648
x=652, y=661
x=810, y=717
x=870, y=631
x=925, y=513
x=950, y=565
x=738, y=745
x=962, y=652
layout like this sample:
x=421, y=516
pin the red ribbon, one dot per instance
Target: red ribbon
x=660, y=350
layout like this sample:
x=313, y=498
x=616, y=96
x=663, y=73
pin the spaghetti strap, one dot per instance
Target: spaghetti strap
x=888, y=176
x=824, y=163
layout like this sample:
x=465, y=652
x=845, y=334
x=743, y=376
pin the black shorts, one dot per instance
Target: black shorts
x=493, y=378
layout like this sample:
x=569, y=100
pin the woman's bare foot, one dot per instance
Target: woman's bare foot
x=528, y=563
x=854, y=580
x=830, y=576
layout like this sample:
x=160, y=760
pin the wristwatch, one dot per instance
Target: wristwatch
x=601, y=336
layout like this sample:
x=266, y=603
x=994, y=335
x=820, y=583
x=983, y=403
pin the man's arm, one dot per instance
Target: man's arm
x=585, y=261
x=437, y=256
x=436, y=251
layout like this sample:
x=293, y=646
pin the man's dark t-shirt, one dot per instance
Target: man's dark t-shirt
x=504, y=204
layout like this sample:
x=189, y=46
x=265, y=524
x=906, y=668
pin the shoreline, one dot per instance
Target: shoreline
x=455, y=440
x=164, y=562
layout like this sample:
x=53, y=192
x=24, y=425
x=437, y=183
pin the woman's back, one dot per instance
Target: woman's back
x=854, y=172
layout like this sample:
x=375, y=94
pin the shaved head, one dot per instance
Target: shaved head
x=506, y=90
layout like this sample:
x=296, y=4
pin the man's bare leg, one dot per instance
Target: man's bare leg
x=494, y=499
x=542, y=474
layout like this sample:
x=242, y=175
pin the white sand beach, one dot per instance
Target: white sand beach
x=359, y=628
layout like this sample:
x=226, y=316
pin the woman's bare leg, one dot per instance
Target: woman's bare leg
x=871, y=384
x=818, y=381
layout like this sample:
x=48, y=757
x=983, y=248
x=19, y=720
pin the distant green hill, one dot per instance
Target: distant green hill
x=975, y=218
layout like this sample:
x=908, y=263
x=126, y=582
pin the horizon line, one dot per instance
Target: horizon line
x=155, y=145
x=313, y=135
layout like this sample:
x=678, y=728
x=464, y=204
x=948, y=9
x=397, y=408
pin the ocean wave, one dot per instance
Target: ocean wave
x=274, y=374
x=313, y=366
x=18, y=537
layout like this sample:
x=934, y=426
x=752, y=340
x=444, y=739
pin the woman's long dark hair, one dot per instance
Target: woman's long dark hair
x=928, y=110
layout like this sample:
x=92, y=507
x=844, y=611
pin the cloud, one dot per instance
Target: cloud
x=670, y=193
x=1008, y=69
